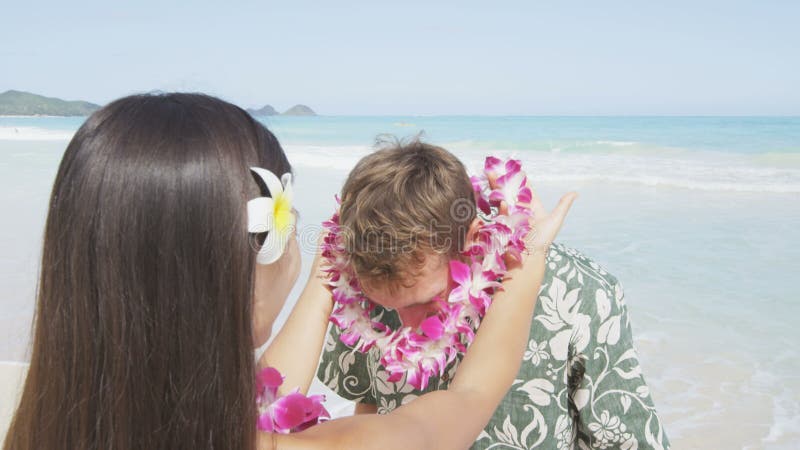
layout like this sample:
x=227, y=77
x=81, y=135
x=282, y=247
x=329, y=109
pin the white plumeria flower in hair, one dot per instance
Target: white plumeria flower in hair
x=272, y=215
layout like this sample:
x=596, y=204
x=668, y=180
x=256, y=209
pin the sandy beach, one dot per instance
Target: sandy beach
x=753, y=420
x=12, y=375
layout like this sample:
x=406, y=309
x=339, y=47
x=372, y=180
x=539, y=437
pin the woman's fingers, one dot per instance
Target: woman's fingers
x=536, y=204
x=564, y=205
x=559, y=214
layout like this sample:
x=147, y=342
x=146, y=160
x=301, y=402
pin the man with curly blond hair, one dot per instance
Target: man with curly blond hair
x=406, y=210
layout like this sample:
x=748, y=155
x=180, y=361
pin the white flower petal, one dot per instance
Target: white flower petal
x=273, y=247
x=580, y=332
x=538, y=390
x=273, y=183
x=259, y=215
x=603, y=304
x=559, y=344
x=609, y=331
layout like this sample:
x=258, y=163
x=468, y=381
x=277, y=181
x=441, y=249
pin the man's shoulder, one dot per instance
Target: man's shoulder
x=577, y=295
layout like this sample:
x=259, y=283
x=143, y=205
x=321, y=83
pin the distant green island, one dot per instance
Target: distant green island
x=296, y=110
x=267, y=110
x=19, y=103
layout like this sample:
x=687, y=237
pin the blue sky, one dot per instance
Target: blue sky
x=346, y=57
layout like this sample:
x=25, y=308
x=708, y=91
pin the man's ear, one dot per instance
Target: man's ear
x=472, y=231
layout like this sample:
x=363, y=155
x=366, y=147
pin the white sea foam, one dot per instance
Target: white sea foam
x=785, y=406
x=682, y=170
x=732, y=173
x=14, y=363
x=34, y=134
x=340, y=158
x=616, y=143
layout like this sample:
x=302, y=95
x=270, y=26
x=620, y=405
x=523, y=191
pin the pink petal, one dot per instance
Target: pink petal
x=513, y=166
x=492, y=163
x=503, y=180
x=290, y=411
x=269, y=377
x=484, y=205
x=525, y=195
x=394, y=377
x=349, y=339
x=432, y=327
x=477, y=183
x=459, y=272
x=265, y=423
x=496, y=195
x=317, y=407
x=458, y=294
x=414, y=379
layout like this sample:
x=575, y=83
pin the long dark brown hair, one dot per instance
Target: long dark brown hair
x=142, y=337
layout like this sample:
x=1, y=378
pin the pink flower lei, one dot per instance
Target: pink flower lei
x=425, y=352
x=289, y=413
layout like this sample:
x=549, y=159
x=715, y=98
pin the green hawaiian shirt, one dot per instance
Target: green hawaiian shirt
x=579, y=386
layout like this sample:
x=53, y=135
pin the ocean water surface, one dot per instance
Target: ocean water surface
x=699, y=217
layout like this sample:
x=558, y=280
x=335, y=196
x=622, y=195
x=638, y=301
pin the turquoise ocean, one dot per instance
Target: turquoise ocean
x=699, y=217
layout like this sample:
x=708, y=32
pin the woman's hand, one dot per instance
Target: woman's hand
x=545, y=224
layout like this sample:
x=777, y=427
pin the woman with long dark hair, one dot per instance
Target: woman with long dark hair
x=151, y=301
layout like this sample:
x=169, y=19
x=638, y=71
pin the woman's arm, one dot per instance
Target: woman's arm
x=448, y=419
x=295, y=349
x=452, y=419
